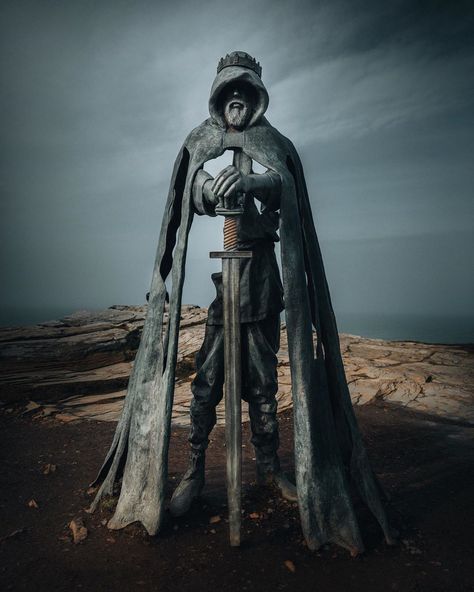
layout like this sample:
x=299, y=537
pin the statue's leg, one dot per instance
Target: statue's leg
x=260, y=344
x=207, y=392
x=207, y=387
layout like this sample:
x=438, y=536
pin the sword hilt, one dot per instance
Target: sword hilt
x=230, y=234
x=243, y=162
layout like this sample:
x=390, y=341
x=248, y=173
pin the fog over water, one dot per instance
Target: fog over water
x=378, y=98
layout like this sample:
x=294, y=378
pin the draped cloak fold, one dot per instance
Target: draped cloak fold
x=329, y=452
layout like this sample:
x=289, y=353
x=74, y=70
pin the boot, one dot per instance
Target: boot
x=269, y=473
x=285, y=487
x=264, y=423
x=190, y=486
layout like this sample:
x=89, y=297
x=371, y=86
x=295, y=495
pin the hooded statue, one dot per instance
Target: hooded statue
x=329, y=452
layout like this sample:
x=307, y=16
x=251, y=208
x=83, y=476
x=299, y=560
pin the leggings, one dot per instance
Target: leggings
x=260, y=341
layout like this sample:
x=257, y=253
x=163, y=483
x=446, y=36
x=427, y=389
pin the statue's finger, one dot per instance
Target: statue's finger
x=222, y=175
x=228, y=170
x=232, y=189
x=228, y=182
x=215, y=180
x=223, y=179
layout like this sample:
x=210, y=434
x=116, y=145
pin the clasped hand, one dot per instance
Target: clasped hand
x=229, y=183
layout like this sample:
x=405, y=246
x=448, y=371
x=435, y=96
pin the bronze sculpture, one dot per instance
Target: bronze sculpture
x=329, y=452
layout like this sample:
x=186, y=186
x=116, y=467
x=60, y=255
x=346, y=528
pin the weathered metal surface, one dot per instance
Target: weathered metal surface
x=232, y=362
x=233, y=413
x=329, y=452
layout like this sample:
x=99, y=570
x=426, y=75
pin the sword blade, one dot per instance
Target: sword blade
x=233, y=409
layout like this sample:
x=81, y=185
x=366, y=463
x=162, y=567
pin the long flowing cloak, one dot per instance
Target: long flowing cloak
x=329, y=452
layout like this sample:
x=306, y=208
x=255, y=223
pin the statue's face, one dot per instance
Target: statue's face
x=237, y=106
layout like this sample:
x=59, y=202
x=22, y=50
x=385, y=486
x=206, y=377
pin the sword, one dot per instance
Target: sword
x=232, y=351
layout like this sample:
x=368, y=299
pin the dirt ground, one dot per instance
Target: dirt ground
x=424, y=464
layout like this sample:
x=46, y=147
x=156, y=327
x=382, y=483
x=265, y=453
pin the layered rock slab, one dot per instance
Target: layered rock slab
x=78, y=367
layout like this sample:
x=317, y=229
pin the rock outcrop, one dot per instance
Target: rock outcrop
x=79, y=367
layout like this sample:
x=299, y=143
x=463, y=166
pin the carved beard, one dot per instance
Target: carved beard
x=237, y=116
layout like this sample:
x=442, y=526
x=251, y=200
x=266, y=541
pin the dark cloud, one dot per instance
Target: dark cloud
x=98, y=96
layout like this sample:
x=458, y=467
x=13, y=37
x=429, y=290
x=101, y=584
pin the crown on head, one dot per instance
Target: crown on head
x=240, y=58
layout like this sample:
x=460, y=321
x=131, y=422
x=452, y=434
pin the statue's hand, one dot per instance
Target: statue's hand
x=211, y=198
x=229, y=183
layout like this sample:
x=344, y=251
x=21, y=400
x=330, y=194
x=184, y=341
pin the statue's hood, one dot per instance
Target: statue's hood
x=232, y=74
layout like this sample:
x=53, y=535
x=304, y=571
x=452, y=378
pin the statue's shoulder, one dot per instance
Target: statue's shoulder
x=283, y=140
x=204, y=132
x=271, y=135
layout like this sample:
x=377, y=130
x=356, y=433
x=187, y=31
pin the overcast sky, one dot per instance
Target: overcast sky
x=97, y=98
